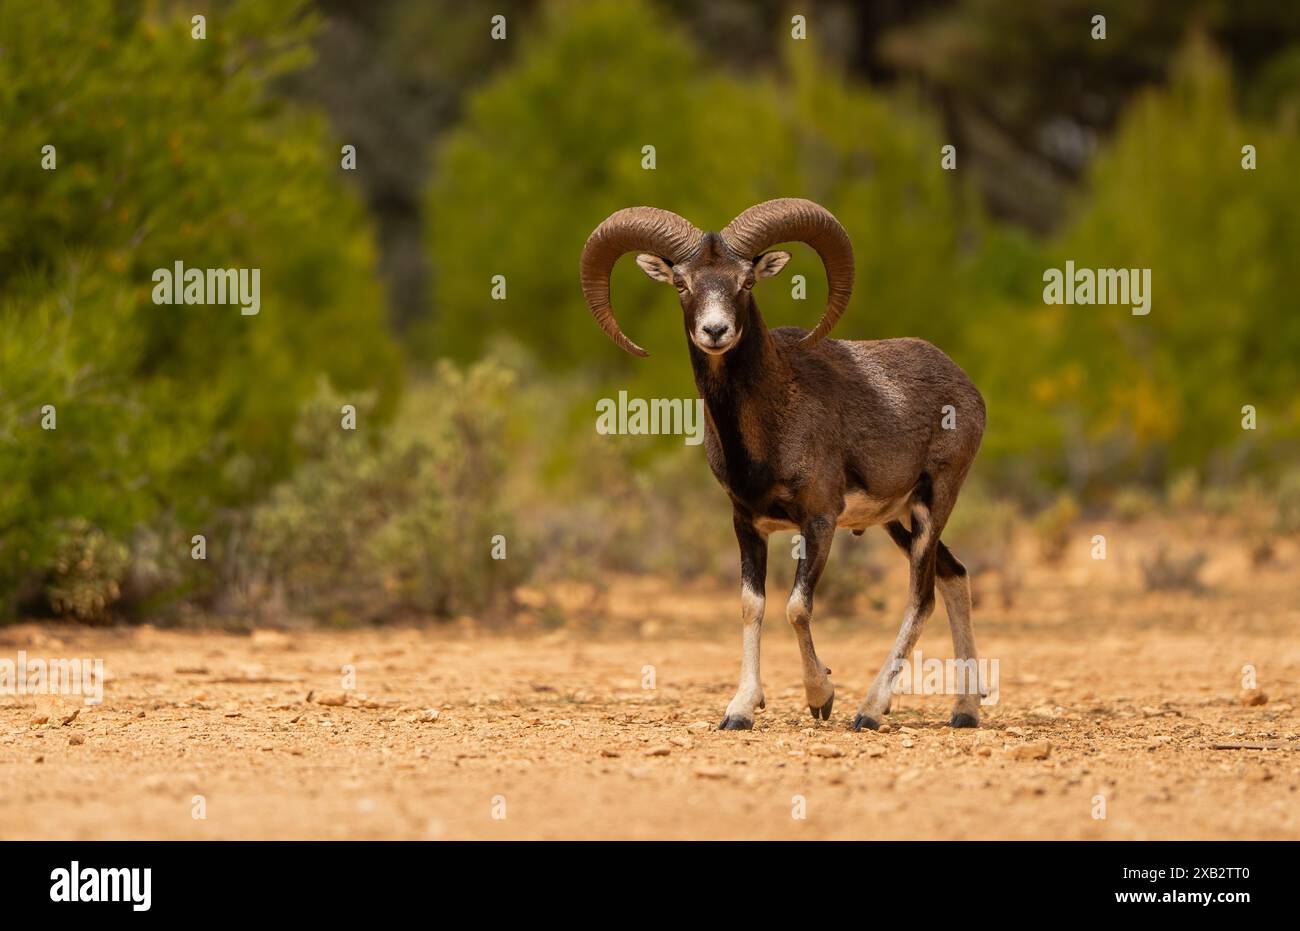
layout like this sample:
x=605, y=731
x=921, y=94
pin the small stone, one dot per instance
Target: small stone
x=908, y=742
x=76, y=740
x=605, y=751
x=333, y=699
x=710, y=772
x=699, y=727
x=683, y=742
x=427, y=716
x=984, y=751
x=825, y=750
x=884, y=729
x=659, y=750
x=1038, y=750
x=1253, y=697
x=270, y=640
x=37, y=720
x=875, y=750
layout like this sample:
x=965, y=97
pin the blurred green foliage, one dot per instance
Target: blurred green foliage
x=1085, y=396
x=400, y=523
x=167, y=149
x=177, y=420
x=554, y=145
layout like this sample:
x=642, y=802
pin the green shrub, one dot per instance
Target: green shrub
x=380, y=524
x=167, y=149
x=86, y=572
x=1054, y=526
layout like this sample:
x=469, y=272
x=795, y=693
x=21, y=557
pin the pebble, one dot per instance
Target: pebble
x=1038, y=750
x=333, y=699
x=710, y=772
x=427, y=716
x=76, y=740
x=825, y=750
x=659, y=750
x=1253, y=697
x=270, y=640
x=37, y=720
x=699, y=727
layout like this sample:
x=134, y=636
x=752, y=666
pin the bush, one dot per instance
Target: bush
x=1054, y=526
x=374, y=525
x=86, y=572
x=167, y=149
x=1167, y=572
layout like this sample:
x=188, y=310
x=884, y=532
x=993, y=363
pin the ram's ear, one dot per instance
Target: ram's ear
x=655, y=267
x=770, y=263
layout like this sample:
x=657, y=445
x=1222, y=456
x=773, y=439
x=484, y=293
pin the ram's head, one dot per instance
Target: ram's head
x=714, y=272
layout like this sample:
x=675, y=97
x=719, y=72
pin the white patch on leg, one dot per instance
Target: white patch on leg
x=796, y=609
x=880, y=695
x=749, y=695
x=816, y=683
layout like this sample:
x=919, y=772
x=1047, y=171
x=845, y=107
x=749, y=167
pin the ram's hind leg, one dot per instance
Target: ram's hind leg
x=929, y=508
x=954, y=585
x=929, y=512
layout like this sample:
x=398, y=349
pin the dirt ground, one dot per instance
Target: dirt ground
x=451, y=732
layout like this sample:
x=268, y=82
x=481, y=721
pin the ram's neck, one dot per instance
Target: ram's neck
x=743, y=391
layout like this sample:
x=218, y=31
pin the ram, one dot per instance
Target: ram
x=806, y=433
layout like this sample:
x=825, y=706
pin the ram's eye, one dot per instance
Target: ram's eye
x=749, y=282
x=680, y=285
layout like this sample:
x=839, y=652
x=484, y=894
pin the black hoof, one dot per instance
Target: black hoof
x=730, y=723
x=860, y=721
x=964, y=720
x=824, y=712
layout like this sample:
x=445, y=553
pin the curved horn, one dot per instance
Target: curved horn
x=793, y=219
x=645, y=229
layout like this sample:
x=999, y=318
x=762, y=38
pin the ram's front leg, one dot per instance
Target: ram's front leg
x=753, y=582
x=818, y=534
